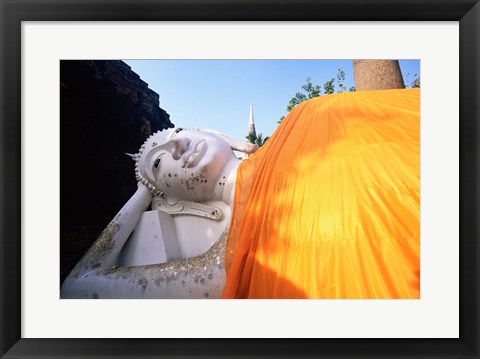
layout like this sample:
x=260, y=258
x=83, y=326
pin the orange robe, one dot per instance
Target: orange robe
x=329, y=207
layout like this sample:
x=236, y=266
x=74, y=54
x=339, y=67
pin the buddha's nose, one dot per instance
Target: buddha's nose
x=179, y=146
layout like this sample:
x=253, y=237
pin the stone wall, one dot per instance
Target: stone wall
x=105, y=111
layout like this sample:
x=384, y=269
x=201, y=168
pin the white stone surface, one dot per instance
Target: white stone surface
x=153, y=240
x=196, y=235
x=160, y=237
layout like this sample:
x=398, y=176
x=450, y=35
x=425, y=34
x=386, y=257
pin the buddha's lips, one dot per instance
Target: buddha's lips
x=196, y=148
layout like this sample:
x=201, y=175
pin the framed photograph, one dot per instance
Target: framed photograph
x=38, y=36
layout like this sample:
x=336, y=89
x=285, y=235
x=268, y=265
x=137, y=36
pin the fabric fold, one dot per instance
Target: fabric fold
x=329, y=207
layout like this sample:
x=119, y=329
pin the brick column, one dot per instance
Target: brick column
x=377, y=75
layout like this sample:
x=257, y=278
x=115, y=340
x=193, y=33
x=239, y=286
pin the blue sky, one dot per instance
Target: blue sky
x=217, y=93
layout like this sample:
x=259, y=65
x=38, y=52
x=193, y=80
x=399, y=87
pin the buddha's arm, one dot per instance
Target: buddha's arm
x=104, y=252
x=198, y=277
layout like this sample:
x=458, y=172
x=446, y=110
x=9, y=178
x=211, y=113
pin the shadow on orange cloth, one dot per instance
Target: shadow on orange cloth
x=329, y=207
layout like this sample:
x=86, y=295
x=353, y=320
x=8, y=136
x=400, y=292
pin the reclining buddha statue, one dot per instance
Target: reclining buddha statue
x=175, y=249
x=329, y=207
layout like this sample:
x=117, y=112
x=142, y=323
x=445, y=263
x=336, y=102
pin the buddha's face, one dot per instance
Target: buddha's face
x=185, y=164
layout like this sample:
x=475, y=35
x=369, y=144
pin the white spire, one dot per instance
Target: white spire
x=251, y=122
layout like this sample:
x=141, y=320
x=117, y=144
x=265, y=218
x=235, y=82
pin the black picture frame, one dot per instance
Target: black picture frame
x=13, y=12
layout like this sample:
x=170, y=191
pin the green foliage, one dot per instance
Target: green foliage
x=329, y=87
x=341, y=81
x=259, y=140
x=415, y=83
x=294, y=101
x=312, y=91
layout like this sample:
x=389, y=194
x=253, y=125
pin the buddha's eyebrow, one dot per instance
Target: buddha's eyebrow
x=173, y=133
x=166, y=146
x=177, y=130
